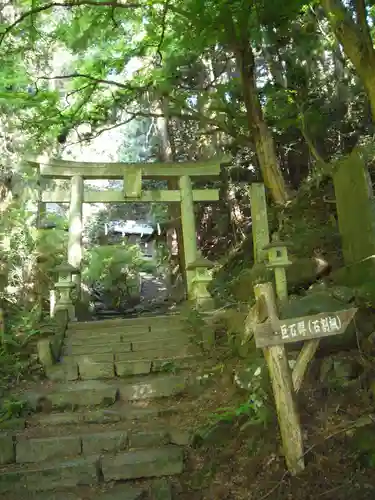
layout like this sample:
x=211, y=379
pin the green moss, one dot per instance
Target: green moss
x=308, y=223
x=354, y=205
x=243, y=285
x=363, y=443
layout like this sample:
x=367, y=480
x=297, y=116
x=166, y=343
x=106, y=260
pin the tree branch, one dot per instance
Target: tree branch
x=361, y=15
x=75, y=91
x=163, y=28
x=125, y=86
x=114, y=4
x=355, y=40
x=100, y=132
x=323, y=165
x=360, y=12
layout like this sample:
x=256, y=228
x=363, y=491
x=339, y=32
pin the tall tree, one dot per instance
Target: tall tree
x=350, y=23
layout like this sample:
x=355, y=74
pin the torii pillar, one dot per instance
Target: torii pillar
x=76, y=227
x=188, y=230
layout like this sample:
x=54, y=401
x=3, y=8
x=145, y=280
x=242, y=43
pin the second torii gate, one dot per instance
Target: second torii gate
x=132, y=174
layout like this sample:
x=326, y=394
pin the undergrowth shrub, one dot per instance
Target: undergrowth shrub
x=115, y=269
x=31, y=255
x=13, y=408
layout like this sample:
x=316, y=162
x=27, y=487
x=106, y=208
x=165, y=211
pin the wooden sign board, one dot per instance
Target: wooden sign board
x=304, y=328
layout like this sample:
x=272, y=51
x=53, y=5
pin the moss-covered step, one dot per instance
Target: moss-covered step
x=160, y=330
x=83, y=393
x=144, y=362
x=116, y=492
x=133, y=367
x=87, y=348
x=126, y=322
x=116, y=413
x=105, y=492
x=160, y=352
x=88, y=393
x=152, y=386
x=35, y=450
x=91, y=393
x=89, y=369
x=174, y=343
x=64, y=371
x=151, y=462
x=100, y=338
x=41, y=445
x=82, y=442
x=7, y=451
x=162, y=461
x=49, y=476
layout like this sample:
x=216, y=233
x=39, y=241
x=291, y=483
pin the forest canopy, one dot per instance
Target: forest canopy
x=284, y=86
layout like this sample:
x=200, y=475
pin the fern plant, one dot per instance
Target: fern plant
x=116, y=268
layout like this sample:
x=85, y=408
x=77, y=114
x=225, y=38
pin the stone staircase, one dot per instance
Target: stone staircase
x=100, y=430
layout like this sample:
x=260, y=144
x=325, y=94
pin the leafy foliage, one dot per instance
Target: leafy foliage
x=116, y=268
x=31, y=254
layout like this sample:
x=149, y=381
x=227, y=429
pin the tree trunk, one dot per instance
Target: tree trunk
x=167, y=154
x=263, y=140
x=355, y=38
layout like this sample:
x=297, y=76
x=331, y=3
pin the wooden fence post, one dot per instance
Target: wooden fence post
x=259, y=220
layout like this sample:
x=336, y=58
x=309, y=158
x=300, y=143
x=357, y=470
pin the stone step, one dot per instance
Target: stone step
x=83, y=393
x=177, y=337
x=152, y=386
x=165, y=352
x=104, y=393
x=65, y=371
x=144, y=366
x=103, y=348
x=101, y=337
x=109, y=365
x=159, y=329
x=121, y=347
x=42, y=444
x=116, y=492
x=156, y=462
x=154, y=489
x=175, y=343
x=53, y=475
x=126, y=322
x=119, y=412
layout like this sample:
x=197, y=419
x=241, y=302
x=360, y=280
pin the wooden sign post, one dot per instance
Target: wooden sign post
x=282, y=386
x=275, y=355
x=278, y=332
x=271, y=333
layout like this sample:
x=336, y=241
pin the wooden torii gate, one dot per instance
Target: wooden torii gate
x=132, y=174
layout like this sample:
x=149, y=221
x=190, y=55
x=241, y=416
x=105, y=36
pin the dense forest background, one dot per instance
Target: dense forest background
x=285, y=92
x=283, y=88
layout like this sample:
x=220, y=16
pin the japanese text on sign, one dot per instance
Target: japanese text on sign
x=327, y=325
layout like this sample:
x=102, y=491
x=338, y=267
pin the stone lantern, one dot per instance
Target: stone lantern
x=278, y=260
x=202, y=277
x=64, y=286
